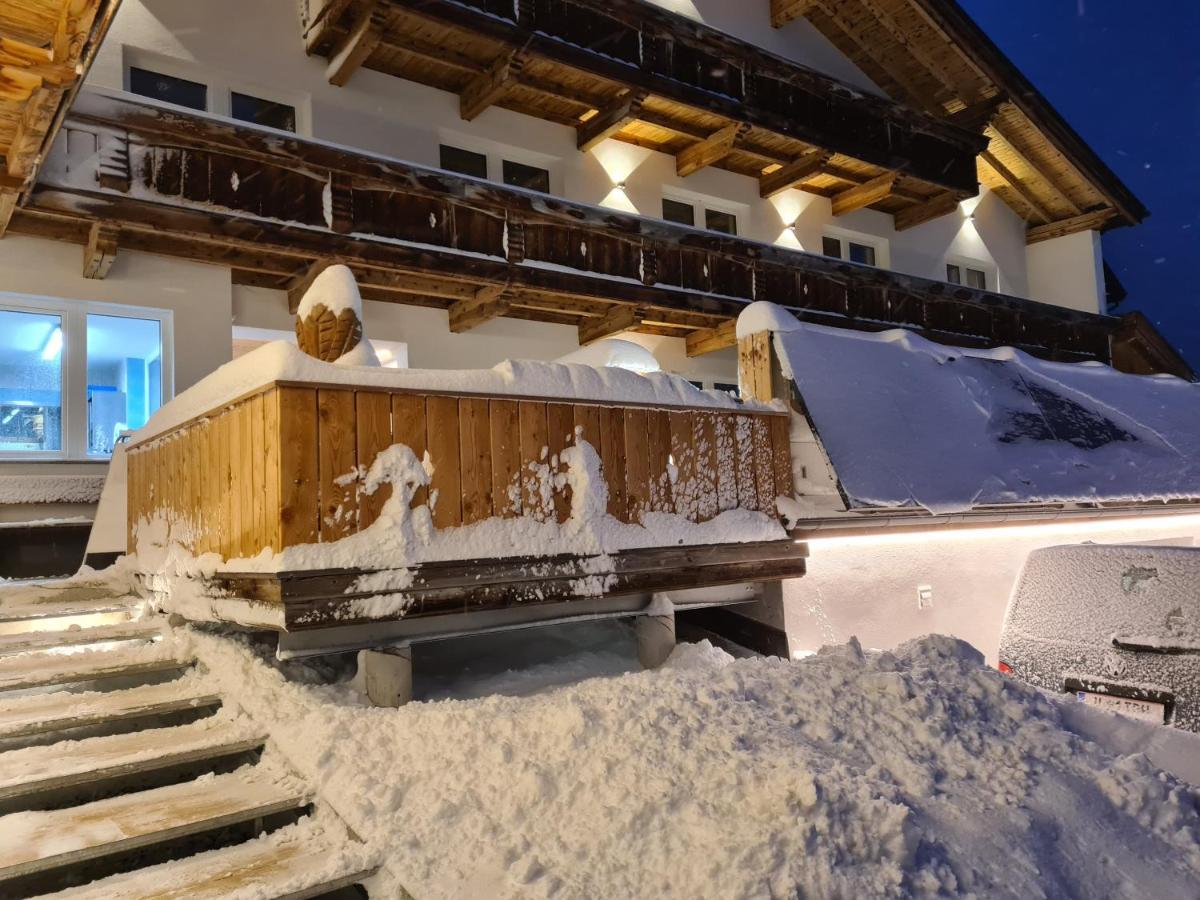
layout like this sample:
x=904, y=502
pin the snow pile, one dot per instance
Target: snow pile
x=906, y=422
x=616, y=353
x=916, y=773
x=335, y=289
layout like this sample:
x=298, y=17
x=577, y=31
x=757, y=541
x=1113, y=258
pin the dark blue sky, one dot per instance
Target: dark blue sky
x=1126, y=75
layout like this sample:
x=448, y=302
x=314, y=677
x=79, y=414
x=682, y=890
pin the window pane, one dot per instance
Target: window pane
x=168, y=88
x=976, y=279
x=677, y=211
x=262, y=112
x=861, y=253
x=521, y=175
x=724, y=222
x=30, y=382
x=455, y=159
x=731, y=389
x=953, y=274
x=124, y=377
x=831, y=246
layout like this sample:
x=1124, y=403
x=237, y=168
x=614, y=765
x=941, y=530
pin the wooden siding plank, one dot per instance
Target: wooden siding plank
x=658, y=448
x=408, y=428
x=612, y=456
x=781, y=455
x=373, y=434
x=764, y=466
x=237, y=458
x=747, y=485
x=446, y=484
x=272, y=532
x=504, y=420
x=475, y=455
x=537, y=482
x=683, y=452
x=225, y=466
x=337, y=457
x=637, y=464
x=560, y=434
x=298, y=475
x=705, y=429
x=256, y=537
x=727, y=462
x=587, y=418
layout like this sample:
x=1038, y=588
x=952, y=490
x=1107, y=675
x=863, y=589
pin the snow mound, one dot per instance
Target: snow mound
x=335, y=289
x=764, y=316
x=918, y=773
x=614, y=352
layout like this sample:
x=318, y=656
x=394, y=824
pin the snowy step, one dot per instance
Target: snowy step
x=293, y=863
x=49, y=601
x=48, y=668
x=69, y=764
x=146, y=630
x=20, y=612
x=32, y=842
x=25, y=716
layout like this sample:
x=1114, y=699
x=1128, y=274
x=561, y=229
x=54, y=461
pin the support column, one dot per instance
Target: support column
x=655, y=637
x=387, y=675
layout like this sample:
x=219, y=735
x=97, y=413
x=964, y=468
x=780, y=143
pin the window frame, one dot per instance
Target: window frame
x=701, y=205
x=73, y=315
x=845, y=237
x=991, y=273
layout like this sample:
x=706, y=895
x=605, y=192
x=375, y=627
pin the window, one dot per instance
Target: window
x=974, y=278
x=124, y=377
x=262, y=112
x=715, y=220
x=732, y=389
x=848, y=249
x=465, y=162
x=531, y=177
x=31, y=377
x=678, y=211
x=74, y=375
x=168, y=88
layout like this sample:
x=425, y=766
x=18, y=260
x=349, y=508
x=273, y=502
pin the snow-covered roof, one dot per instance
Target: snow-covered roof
x=907, y=422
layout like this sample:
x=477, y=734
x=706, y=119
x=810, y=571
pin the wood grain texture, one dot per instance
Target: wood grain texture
x=536, y=475
x=373, y=427
x=337, y=456
x=446, y=483
x=505, y=439
x=298, y=474
x=560, y=434
x=409, y=429
x=475, y=455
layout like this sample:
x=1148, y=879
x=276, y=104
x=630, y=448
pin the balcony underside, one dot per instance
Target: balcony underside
x=128, y=175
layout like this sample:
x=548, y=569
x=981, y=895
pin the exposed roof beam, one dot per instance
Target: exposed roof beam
x=784, y=11
x=941, y=205
x=358, y=44
x=712, y=149
x=1091, y=221
x=101, y=249
x=707, y=340
x=488, y=303
x=323, y=23
x=1026, y=161
x=794, y=173
x=864, y=194
x=1026, y=195
x=617, y=320
x=978, y=116
x=609, y=121
x=490, y=85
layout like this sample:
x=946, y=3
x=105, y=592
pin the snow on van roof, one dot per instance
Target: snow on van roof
x=910, y=423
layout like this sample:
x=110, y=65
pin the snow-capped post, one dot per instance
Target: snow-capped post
x=329, y=320
x=759, y=374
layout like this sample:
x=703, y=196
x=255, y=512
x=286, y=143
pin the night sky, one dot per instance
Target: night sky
x=1126, y=75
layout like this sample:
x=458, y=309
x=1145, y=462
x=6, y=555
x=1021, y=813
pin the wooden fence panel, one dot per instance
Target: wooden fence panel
x=409, y=428
x=781, y=453
x=683, y=452
x=272, y=476
x=560, y=434
x=658, y=450
x=727, y=461
x=705, y=430
x=764, y=465
x=446, y=484
x=373, y=434
x=534, y=453
x=337, y=457
x=505, y=439
x=637, y=465
x=612, y=456
x=299, y=478
x=256, y=537
x=474, y=433
x=747, y=484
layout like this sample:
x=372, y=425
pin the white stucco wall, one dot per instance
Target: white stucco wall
x=1068, y=271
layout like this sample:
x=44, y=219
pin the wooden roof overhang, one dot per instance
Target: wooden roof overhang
x=46, y=47
x=931, y=55
x=273, y=207
x=633, y=71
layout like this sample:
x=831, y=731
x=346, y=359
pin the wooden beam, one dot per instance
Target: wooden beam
x=1033, y=167
x=358, y=44
x=489, y=86
x=1087, y=222
x=711, y=150
x=794, y=173
x=784, y=11
x=710, y=339
x=754, y=367
x=488, y=303
x=101, y=249
x=609, y=121
x=323, y=23
x=864, y=194
x=978, y=116
x=617, y=320
x=301, y=283
x=941, y=205
x=1017, y=185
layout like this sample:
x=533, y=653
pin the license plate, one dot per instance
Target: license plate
x=1137, y=709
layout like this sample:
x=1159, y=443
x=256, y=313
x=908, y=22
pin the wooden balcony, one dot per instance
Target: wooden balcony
x=129, y=175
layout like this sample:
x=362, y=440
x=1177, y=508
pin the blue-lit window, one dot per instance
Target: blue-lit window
x=31, y=382
x=124, y=377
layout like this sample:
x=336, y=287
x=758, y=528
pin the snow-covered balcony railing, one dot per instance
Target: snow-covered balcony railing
x=128, y=174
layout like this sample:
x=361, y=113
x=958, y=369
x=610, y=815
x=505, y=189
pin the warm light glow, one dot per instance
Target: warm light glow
x=1076, y=528
x=617, y=199
x=787, y=238
x=971, y=204
x=790, y=205
x=619, y=160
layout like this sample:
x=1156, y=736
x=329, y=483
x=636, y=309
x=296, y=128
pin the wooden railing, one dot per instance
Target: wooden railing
x=277, y=468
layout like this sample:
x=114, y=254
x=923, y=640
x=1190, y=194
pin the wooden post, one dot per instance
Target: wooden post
x=655, y=636
x=754, y=366
x=387, y=675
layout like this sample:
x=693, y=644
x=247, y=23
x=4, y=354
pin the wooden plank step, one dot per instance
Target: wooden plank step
x=67, y=609
x=143, y=630
x=40, y=841
x=68, y=764
x=53, y=600
x=43, y=713
x=47, y=669
x=293, y=863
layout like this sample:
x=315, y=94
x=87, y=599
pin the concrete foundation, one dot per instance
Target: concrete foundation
x=387, y=675
x=655, y=639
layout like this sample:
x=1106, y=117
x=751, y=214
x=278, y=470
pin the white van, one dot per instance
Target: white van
x=1118, y=626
